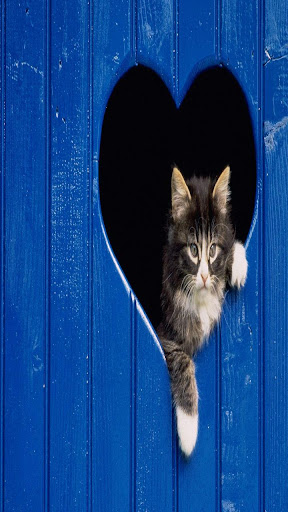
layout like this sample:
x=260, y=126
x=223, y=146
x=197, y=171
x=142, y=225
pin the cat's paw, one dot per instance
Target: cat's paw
x=187, y=427
x=239, y=266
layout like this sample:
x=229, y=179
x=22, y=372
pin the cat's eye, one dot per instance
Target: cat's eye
x=194, y=250
x=212, y=250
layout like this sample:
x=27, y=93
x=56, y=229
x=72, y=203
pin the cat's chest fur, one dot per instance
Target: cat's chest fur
x=207, y=309
x=194, y=319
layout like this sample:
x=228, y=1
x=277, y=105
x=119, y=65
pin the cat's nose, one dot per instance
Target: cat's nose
x=204, y=278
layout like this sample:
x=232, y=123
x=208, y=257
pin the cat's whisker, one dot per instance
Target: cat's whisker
x=224, y=240
x=167, y=278
x=214, y=289
x=184, y=288
x=186, y=282
x=220, y=224
x=191, y=292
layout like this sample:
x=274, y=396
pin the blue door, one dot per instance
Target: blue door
x=86, y=417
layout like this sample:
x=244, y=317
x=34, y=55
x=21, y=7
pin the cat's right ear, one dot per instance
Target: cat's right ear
x=181, y=196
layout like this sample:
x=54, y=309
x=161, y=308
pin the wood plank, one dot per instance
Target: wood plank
x=153, y=422
x=24, y=242
x=196, y=40
x=113, y=447
x=69, y=383
x=113, y=382
x=198, y=484
x=198, y=478
x=113, y=54
x=2, y=248
x=155, y=38
x=275, y=270
x=241, y=341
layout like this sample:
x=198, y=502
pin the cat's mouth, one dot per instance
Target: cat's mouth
x=205, y=289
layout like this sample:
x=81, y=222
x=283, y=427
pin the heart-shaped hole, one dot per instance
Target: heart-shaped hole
x=143, y=134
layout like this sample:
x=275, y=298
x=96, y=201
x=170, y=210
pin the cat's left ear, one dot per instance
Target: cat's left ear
x=221, y=191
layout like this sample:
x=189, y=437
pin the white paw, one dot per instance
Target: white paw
x=239, y=266
x=187, y=427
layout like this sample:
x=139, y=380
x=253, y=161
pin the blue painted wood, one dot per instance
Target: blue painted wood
x=113, y=365
x=23, y=207
x=197, y=487
x=241, y=343
x=275, y=236
x=155, y=33
x=2, y=272
x=155, y=486
x=69, y=384
x=196, y=40
x=114, y=40
x=86, y=416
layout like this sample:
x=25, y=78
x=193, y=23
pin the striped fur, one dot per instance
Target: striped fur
x=198, y=263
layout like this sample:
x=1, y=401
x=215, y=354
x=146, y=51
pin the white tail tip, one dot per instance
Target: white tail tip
x=187, y=427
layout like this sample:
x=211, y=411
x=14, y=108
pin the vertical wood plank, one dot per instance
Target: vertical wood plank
x=113, y=54
x=275, y=246
x=241, y=341
x=25, y=178
x=155, y=32
x=113, y=435
x=154, y=442
x=155, y=448
x=198, y=479
x=113, y=476
x=2, y=247
x=195, y=40
x=46, y=385
x=69, y=377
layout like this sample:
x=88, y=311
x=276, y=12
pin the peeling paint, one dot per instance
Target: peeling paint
x=229, y=356
x=271, y=130
x=36, y=70
x=228, y=506
x=274, y=59
x=229, y=418
x=248, y=380
x=116, y=58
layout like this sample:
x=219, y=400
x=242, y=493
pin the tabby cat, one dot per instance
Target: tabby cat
x=200, y=258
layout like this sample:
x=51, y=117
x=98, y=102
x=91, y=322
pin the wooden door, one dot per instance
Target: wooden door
x=86, y=416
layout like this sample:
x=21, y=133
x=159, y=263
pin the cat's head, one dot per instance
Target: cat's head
x=200, y=233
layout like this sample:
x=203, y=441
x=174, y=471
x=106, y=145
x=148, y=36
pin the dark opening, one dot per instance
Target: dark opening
x=143, y=134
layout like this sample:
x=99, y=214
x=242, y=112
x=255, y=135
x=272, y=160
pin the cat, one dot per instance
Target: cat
x=200, y=258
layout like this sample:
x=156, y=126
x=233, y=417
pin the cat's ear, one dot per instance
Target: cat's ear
x=221, y=191
x=180, y=194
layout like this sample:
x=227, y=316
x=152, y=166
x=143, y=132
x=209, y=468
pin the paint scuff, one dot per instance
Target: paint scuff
x=36, y=70
x=271, y=130
x=228, y=506
x=273, y=59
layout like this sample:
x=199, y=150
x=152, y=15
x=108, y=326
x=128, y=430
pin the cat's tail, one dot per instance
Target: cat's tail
x=185, y=394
